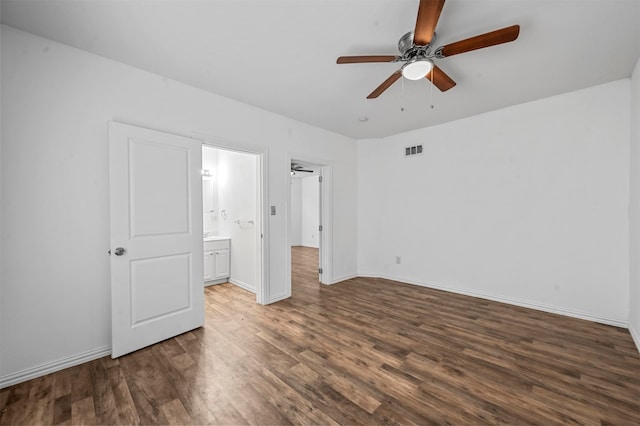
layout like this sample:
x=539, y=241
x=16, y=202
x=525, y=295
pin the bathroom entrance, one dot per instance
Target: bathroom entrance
x=231, y=217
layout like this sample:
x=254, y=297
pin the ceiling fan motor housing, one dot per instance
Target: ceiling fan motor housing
x=410, y=51
x=406, y=42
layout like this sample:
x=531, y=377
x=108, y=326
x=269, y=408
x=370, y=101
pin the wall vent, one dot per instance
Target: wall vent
x=412, y=150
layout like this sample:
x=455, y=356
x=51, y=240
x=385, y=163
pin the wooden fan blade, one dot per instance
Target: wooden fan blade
x=493, y=38
x=385, y=85
x=363, y=59
x=428, y=15
x=440, y=79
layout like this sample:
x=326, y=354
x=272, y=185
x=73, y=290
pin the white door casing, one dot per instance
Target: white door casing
x=156, y=217
x=320, y=227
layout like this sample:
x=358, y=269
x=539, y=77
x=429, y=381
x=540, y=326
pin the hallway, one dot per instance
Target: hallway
x=304, y=272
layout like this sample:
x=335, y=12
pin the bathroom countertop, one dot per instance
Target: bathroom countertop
x=215, y=238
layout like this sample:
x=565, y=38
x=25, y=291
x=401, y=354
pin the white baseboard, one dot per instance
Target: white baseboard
x=372, y=275
x=340, y=279
x=635, y=335
x=52, y=367
x=215, y=282
x=517, y=302
x=279, y=297
x=243, y=285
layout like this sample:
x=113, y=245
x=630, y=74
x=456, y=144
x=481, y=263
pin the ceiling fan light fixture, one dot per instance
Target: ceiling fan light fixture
x=417, y=69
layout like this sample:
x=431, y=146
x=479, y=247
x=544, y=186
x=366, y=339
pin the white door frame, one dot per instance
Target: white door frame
x=262, y=237
x=326, y=191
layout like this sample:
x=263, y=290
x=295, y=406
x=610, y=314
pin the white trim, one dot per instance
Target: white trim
x=279, y=297
x=53, y=366
x=370, y=275
x=341, y=279
x=243, y=285
x=635, y=336
x=263, y=243
x=287, y=237
x=326, y=244
x=229, y=144
x=216, y=282
x=522, y=303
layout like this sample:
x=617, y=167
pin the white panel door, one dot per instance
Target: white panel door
x=156, y=236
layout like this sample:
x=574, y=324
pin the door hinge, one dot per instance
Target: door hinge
x=319, y=270
x=320, y=228
x=320, y=179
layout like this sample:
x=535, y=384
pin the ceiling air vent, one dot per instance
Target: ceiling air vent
x=412, y=150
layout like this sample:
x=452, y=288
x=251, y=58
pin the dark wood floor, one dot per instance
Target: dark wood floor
x=366, y=351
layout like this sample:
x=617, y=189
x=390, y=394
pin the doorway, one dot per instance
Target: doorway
x=232, y=217
x=308, y=214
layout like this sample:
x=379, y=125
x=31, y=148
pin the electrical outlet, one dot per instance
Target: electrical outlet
x=398, y=260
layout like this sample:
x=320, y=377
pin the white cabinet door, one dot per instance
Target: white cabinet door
x=208, y=266
x=221, y=268
x=156, y=236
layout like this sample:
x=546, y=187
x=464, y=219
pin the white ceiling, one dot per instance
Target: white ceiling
x=280, y=55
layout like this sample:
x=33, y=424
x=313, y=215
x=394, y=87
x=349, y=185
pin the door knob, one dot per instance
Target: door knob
x=119, y=251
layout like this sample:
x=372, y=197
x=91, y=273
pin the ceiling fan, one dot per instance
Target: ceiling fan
x=295, y=168
x=418, y=53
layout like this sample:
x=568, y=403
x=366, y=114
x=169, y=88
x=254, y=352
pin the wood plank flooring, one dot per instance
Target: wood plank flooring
x=366, y=351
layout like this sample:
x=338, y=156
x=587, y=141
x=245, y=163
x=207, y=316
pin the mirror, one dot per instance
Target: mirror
x=210, y=206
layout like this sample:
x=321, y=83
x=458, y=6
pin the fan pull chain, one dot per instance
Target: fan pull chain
x=432, y=70
x=402, y=94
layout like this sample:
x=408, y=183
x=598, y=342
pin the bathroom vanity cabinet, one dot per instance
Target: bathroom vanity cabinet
x=216, y=260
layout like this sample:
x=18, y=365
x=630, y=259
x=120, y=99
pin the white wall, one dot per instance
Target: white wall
x=210, y=191
x=296, y=212
x=237, y=184
x=56, y=103
x=634, y=210
x=310, y=211
x=527, y=204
